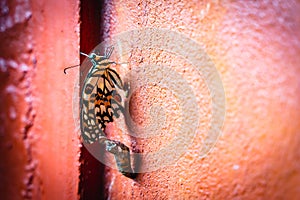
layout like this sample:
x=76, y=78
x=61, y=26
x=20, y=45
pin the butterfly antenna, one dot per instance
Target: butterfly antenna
x=84, y=54
x=65, y=70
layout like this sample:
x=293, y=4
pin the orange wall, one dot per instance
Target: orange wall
x=255, y=48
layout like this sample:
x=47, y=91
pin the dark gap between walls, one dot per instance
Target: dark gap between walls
x=91, y=183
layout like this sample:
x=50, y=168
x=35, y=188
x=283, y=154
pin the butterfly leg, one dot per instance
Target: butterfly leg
x=126, y=89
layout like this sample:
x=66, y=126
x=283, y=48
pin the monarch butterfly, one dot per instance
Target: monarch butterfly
x=99, y=106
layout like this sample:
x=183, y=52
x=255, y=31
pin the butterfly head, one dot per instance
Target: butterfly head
x=96, y=59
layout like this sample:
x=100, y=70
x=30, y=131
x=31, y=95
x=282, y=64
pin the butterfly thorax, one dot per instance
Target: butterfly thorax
x=101, y=62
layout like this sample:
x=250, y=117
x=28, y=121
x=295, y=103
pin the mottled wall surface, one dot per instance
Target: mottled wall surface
x=39, y=148
x=255, y=46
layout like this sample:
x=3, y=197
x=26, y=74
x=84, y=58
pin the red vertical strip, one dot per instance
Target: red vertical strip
x=91, y=185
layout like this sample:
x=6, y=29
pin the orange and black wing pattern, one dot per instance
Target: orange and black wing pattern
x=99, y=107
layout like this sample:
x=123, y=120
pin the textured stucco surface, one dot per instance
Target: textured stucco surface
x=255, y=47
x=39, y=148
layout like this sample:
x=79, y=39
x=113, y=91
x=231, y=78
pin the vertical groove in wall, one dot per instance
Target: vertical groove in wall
x=91, y=183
